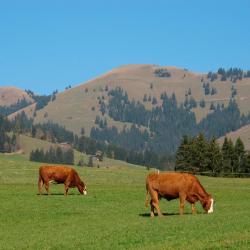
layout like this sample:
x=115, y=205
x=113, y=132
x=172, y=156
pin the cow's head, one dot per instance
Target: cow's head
x=82, y=188
x=209, y=205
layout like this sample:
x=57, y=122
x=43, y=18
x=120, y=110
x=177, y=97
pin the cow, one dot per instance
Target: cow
x=60, y=174
x=175, y=185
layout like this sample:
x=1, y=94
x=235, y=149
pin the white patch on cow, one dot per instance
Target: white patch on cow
x=53, y=182
x=85, y=192
x=211, y=209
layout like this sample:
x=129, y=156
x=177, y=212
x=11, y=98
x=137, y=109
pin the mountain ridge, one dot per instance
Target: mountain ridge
x=78, y=107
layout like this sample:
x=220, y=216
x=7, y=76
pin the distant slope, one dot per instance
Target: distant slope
x=29, y=111
x=28, y=144
x=11, y=95
x=78, y=107
x=243, y=133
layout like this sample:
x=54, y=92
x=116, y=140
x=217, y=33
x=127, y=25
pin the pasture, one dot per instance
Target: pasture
x=113, y=215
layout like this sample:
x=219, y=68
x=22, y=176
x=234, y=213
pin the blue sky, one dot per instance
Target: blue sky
x=47, y=45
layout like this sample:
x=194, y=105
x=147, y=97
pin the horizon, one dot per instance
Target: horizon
x=48, y=46
x=63, y=88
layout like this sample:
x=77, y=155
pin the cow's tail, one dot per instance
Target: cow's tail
x=146, y=201
x=40, y=182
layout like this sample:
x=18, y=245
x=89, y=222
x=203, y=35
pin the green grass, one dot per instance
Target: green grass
x=112, y=215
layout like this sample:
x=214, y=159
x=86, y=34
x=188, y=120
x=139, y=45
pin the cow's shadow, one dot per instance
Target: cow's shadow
x=55, y=194
x=164, y=214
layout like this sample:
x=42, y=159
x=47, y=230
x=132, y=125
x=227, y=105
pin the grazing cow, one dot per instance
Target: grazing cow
x=60, y=174
x=173, y=185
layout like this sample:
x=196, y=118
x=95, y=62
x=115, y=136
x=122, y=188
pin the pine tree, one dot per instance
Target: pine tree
x=239, y=155
x=182, y=162
x=214, y=157
x=68, y=157
x=202, y=103
x=90, y=162
x=59, y=155
x=199, y=153
x=82, y=131
x=227, y=155
x=154, y=101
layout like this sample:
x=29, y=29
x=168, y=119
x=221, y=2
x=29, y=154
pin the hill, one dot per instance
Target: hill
x=243, y=133
x=78, y=107
x=27, y=144
x=144, y=89
x=11, y=95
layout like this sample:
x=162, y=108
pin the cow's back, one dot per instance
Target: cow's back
x=170, y=185
x=56, y=173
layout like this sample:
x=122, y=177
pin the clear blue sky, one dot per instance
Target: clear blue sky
x=46, y=45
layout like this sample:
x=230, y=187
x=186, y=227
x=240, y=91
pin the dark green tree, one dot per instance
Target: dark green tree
x=90, y=162
x=240, y=155
x=214, y=155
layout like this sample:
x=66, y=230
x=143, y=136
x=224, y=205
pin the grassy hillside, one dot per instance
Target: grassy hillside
x=11, y=95
x=27, y=144
x=112, y=215
x=243, y=133
x=78, y=107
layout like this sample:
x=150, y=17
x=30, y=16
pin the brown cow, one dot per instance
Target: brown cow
x=60, y=174
x=173, y=185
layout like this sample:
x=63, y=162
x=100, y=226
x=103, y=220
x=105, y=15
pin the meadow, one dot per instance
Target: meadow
x=113, y=215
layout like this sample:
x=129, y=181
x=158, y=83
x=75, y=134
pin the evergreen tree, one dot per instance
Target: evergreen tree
x=199, y=149
x=90, y=162
x=183, y=161
x=213, y=91
x=68, y=157
x=59, y=155
x=82, y=131
x=227, y=155
x=240, y=155
x=154, y=101
x=97, y=119
x=212, y=107
x=202, y=103
x=214, y=157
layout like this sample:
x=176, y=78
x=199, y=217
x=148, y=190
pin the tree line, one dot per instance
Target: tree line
x=233, y=74
x=200, y=155
x=7, y=110
x=161, y=129
x=53, y=155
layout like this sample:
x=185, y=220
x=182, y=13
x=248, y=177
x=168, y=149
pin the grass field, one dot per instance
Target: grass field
x=112, y=215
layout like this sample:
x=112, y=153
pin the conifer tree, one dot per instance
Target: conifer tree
x=182, y=162
x=90, y=162
x=239, y=155
x=214, y=157
x=199, y=153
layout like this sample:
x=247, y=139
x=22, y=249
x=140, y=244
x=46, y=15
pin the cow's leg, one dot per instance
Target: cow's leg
x=155, y=202
x=66, y=187
x=152, y=212
x=182, y=203
x=40, y=185
x=47, y=187
x=193, y=208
